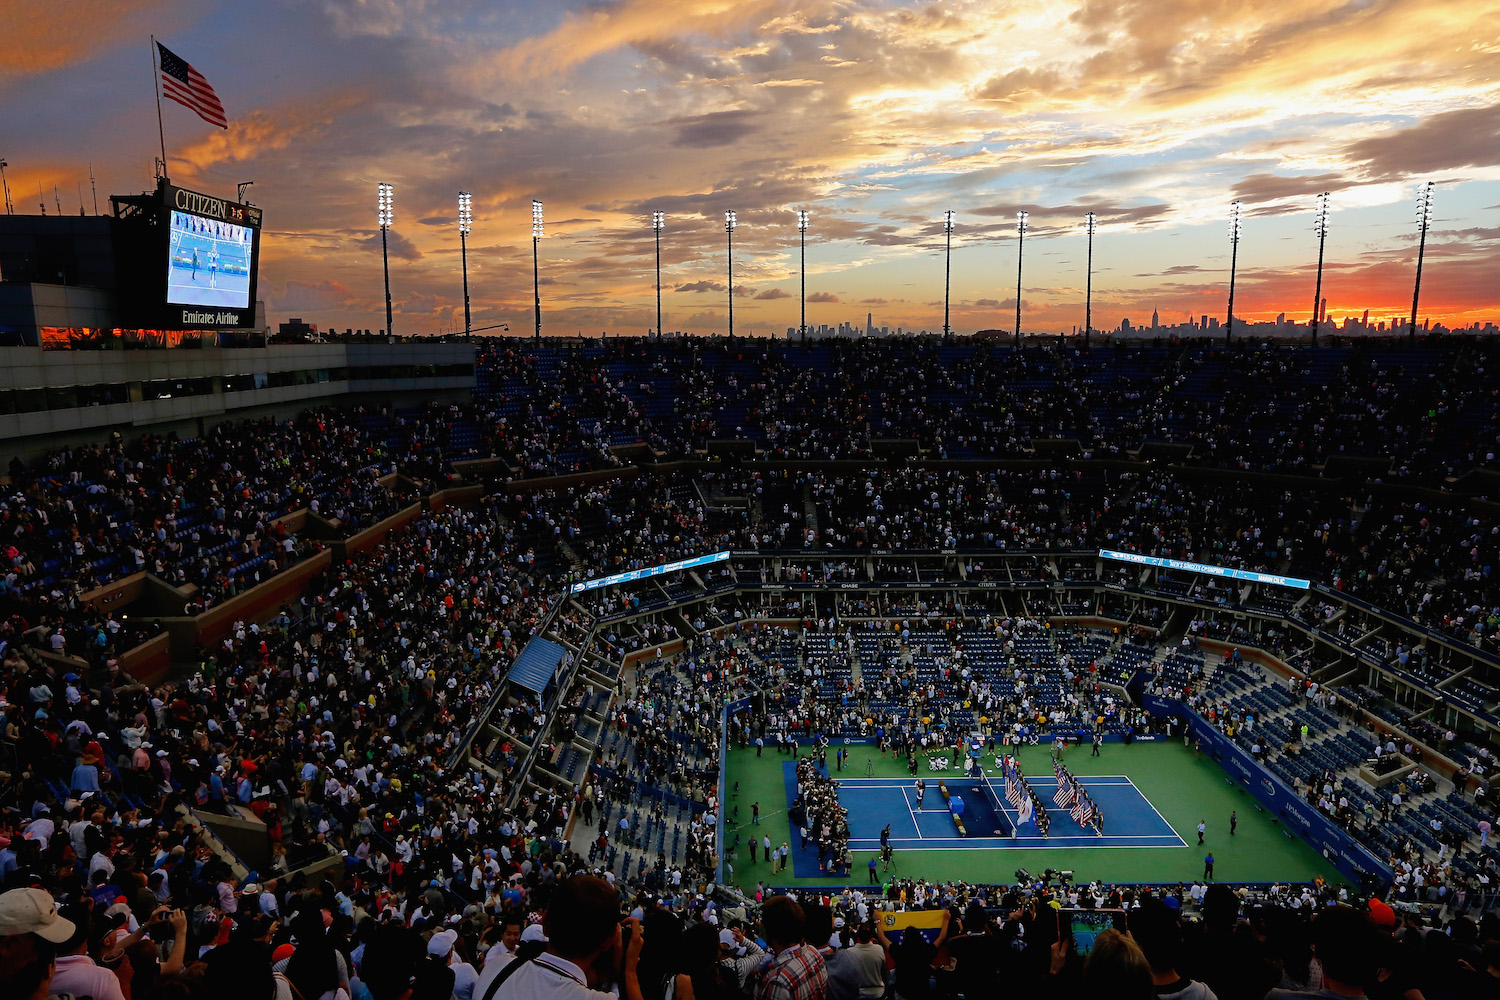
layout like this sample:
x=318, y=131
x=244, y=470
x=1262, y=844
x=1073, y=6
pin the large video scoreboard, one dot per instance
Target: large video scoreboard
x=210, y=261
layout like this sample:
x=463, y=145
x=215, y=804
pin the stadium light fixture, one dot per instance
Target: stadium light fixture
x=1021, y=218
x=1090, y=224
x=465, y=226
x=730, y=222
x=947, y=266
x=1424, y=219
x=1320, y=229
x=658, y=223
x=802, y=233
x=387, y=217
x=1234, y=256
x=538, y=230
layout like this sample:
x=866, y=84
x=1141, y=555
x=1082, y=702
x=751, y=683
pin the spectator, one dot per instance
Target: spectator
x=76, y=972
x=1347, y=946
x=30, y=926
x=1155, y=928
x=796, y=971
x=912, y=956
x=1116, y=969
x=582, y=926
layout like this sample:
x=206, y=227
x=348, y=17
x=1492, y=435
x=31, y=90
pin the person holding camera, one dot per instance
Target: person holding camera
x=165, y=924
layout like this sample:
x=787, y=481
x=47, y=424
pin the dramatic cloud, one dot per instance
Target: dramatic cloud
x=1153, y=115
x=1453, y=140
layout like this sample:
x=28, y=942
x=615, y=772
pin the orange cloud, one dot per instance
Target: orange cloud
x=40, y=37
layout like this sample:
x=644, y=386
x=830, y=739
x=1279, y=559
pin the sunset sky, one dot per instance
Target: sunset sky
x=873, y=116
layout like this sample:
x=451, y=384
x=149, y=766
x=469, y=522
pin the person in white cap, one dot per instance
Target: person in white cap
x=738, y=954
x=25, y=915
x=440, y=946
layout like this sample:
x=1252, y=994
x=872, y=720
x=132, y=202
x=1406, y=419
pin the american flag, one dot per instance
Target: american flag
x=1064, y=794
x=187, y=87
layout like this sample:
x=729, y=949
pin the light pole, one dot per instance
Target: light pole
x=1090, y=223
x=658, y=223
x=1234, y=255
x=802, y=232
x=1021, y=218
x=465, y=224
x=1320, y=227
x=5, y=185
x=538, y=230
x=1424, y=219
x=947, y=266
x=729, y=223
x=387, y=217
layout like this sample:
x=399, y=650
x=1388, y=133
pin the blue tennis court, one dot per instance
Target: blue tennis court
x=1130, y=820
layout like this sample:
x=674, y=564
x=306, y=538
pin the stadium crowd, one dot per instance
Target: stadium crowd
x=336, y=721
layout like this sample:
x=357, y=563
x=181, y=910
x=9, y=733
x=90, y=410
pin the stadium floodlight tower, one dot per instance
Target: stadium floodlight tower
x=538, y=230
x=1090, y=224
x=1424, y=219
x=1320, y=227
x=1021, y=218
x=947, y=266
x=802, y=232
x=465, y=226
x=658, y=223
x=387, y=215
x=730, y=221
x=1234, y=257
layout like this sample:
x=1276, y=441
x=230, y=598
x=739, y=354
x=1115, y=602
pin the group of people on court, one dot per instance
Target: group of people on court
x=826, y=822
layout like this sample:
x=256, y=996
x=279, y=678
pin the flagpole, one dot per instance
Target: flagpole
x=160, y=133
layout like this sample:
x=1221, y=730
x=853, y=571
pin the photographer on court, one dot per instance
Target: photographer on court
x=586, y=949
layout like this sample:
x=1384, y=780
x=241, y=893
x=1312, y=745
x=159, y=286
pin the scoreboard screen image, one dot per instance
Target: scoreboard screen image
x=208, y=262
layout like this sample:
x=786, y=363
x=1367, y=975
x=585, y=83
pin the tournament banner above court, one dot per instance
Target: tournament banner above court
x=647, y=573
x=1192, y=567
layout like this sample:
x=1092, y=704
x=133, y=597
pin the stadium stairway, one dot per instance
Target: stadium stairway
x=810, y=510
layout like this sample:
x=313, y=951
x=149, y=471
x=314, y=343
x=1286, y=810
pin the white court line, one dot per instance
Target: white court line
x=1007, y=844
x=866, y=842
x=1159, y=816
x=1103, y=779
x=1113, y=779
x=917, y=826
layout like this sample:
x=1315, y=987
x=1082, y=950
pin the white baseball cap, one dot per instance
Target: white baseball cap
x=33, y=911
x=442, y=943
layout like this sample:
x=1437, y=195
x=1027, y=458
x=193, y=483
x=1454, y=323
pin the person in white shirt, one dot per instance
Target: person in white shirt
x=440, y=946
x=503, y=950
x=582, y=926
